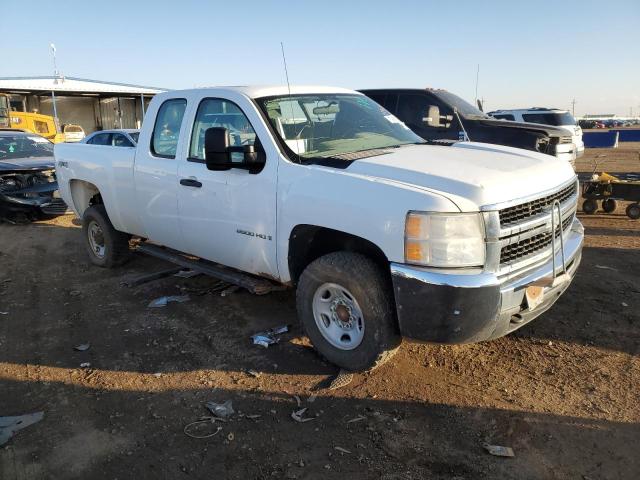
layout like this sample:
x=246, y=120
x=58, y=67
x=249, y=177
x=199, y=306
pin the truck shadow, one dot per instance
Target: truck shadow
x=117, y=432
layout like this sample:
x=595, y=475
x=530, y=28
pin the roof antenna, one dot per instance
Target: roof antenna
x=286, y=73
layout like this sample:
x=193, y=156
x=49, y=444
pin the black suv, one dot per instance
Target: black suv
x=436, y=115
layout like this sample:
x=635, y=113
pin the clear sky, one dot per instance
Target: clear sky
x=531, y=53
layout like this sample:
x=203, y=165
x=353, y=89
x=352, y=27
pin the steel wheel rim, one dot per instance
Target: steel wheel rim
x=96, y=239
x=338, y=316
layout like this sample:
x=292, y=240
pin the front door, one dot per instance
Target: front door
x=228, y=216
x=155, y=175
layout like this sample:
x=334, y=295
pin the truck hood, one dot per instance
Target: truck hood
x=26, y=163
x=470, y=174
x=549, y=130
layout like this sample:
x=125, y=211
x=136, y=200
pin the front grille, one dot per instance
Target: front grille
x=523, y=211
x=532, y=245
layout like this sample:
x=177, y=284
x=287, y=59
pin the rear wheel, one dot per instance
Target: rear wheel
x=589, y=206
x=106, y=246
x=609, y=205
x=346, y=308
x=633, y=211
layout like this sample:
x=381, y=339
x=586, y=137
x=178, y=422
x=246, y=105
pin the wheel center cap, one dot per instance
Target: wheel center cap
x=343, y=313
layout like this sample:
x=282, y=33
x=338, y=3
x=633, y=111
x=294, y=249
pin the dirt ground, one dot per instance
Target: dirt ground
x=562, y=391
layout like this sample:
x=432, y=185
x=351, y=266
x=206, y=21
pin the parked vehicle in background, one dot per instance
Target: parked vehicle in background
x=114, y=138
x=5, y=108
x=438, y=115
x=73, y=133
x=42, y=125
x=382, y=234
x=546, y=116
x=28, y=186
x=587, y=124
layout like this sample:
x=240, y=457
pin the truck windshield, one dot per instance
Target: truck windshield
x=24, y=146
x=331, y=125
x=550, y=118
x=464, y=108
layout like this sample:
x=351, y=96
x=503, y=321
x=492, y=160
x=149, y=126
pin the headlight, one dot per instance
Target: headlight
x=444, y=240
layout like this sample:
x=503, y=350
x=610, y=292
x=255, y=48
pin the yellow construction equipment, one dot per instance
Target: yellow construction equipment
x=44, y=125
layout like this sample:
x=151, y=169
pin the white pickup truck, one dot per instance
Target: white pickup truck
x=323, y=189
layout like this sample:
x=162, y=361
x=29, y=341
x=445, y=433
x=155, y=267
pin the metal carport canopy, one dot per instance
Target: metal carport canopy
x=71, y=86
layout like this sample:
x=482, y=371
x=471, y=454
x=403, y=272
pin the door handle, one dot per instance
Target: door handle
x=190, y=182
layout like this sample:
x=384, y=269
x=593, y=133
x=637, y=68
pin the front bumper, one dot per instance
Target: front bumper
x=463, y=308
x=42, y=198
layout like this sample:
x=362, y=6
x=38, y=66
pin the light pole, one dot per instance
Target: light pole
x=55, y=81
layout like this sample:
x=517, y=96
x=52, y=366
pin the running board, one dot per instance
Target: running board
x=255, y=285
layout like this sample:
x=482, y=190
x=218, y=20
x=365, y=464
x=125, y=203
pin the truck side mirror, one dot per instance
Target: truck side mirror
x=433, y=116
x=216, y=149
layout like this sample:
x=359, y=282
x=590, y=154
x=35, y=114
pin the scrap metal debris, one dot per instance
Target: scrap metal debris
x=221, y=410
x=201, y=422
x=342, y=450
x=343, y=379
x=253, y=373
x=10, y=425
x=186, y=273
x=82, y=347
x=298, y=415
x=269, y=337
x=85, y=365
x=359, y=418
x=228, y=291
x=605, y=267
x=499, y=451
x=163, y=301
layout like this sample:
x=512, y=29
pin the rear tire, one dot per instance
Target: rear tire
x=106, y=246
x=633, y=211
x=345, y=305
x=609, y=205
x=589, y=206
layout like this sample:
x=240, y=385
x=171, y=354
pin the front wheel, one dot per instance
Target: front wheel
x=633, y=211
x=345, y=304
x=589, y=206
x=106, y=246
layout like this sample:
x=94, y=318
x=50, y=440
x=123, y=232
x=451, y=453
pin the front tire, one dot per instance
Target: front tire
x=106, y=246
x=345, y=304
x=609, y=205
x=589, y=206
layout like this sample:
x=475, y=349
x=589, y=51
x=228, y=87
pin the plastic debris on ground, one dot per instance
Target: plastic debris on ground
x=163, y=301
x=10, y=425
x=343, y=379
x=4, y=313
x=269, y=337
x=85, y=365
x=605, y=267
x=499, y=451
x=221, y=410
x=82, y=347
x=298, y=415
x=253, y=373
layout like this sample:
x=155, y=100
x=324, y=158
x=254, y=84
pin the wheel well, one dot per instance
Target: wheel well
x=84, y=194
x=309, y=242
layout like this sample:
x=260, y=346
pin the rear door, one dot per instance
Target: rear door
x=156, y=174
x=228, y=216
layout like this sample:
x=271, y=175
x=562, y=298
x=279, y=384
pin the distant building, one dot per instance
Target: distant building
x=600, y=116
x=92, y=104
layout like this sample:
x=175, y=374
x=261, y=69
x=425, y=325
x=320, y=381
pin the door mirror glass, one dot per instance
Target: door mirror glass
x=216, y=148
x=433, y=116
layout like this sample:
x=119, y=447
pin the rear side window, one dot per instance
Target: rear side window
x=100, y=139
x=164, y=141
x=504, y=116
x=120, y=140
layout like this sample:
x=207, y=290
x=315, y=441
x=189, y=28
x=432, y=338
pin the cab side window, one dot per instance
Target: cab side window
x=215, y=112
x=120, y=140
x=166, y=131
x=504, y=116
x=100, y=139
